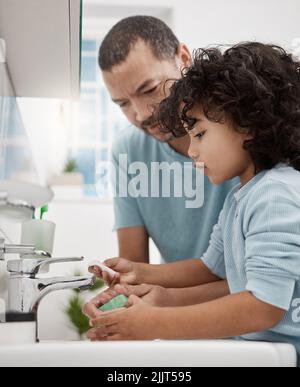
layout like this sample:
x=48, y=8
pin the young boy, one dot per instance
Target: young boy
x=241, y=109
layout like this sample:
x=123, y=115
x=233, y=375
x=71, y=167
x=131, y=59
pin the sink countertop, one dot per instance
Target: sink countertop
x=219, y=353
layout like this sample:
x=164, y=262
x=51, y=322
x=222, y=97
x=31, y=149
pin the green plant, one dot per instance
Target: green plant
x=71, y=166
x=74, y=309
x=77, y=318
x=98, y=285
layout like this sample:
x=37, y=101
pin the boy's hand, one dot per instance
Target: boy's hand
x=137, y=322
x=91, y=309
x=127, y=272
x=151, y=294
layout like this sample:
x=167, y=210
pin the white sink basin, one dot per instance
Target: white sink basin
x=225, y=353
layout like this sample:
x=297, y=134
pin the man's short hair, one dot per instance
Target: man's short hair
x=118, y=43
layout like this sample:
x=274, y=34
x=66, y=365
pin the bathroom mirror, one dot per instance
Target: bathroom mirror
x=18, y=200
x=40, y=44
x=43, y=39
x=6, y=87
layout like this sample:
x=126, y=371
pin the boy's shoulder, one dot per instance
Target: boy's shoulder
x=284, y=175
x=282, y=182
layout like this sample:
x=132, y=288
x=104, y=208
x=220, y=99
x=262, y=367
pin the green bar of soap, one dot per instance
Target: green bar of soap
x=116, y=303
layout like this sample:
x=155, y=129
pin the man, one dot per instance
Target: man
x=137, y=57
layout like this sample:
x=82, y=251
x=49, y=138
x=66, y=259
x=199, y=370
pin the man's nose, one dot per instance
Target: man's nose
x=142, y=112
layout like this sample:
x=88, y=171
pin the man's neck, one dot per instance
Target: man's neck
x=181, y=145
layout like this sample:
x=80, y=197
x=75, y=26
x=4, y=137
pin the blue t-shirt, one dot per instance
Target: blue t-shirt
x=178, y=232
x=256, y=247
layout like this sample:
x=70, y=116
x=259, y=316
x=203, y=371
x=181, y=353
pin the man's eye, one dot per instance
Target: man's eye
x=123, y=105
x=151, y=90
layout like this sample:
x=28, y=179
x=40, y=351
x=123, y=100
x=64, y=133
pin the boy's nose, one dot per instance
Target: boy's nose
x=192, y=153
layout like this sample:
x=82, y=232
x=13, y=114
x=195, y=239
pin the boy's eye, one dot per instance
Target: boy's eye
x=200, y=135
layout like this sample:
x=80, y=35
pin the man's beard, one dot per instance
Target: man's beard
x=152, y=123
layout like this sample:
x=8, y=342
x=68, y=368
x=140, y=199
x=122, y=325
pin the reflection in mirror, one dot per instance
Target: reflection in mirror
x=16, y=161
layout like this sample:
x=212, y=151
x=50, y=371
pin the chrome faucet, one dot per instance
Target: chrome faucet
x=26, y=291
x=22, y=250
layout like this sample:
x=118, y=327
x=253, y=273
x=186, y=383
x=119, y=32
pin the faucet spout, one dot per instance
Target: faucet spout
x=49, y=285
x=26, y=290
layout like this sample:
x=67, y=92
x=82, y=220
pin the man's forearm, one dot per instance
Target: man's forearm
x=198, y=294
x=134, y=244
x=181, y=274
x=230, y=316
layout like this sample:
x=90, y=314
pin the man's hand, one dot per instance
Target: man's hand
x=136, y=322
x=128, y=272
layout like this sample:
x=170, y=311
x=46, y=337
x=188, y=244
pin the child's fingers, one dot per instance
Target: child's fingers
x=104, y=331
x=96, y=271
x=91, y=335
x=123, y=289
x=133, y=300
x=110, y=280
x=115, y=279
x=116, y=337
x=106, y=277
x=128, y=290
x=107, y=318
x=112, y=262
x=92, y=308
x=94, y=335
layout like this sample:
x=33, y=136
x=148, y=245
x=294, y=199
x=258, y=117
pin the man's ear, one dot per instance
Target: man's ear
x=183, y=56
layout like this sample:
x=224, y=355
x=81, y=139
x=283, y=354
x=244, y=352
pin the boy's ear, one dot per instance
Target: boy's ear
x=183, y=56
x=249, y=137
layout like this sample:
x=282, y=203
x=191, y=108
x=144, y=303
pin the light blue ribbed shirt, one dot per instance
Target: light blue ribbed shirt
x=256, y=247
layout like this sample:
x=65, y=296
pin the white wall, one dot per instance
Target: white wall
x=203, y=22
x=83, y=229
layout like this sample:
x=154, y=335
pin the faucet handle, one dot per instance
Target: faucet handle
x=15, y=249
x=33, y=266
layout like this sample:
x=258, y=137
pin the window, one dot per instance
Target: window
x=96, y=120
x=16, y=161
x=98, y=123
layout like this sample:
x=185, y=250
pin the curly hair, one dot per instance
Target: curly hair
x=254, y=86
